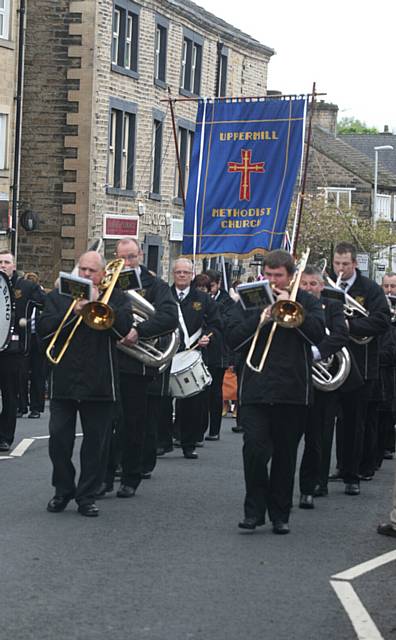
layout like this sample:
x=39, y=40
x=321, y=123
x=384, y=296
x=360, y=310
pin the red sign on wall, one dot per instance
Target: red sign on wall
x=118, y=226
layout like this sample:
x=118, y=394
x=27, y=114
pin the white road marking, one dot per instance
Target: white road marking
x=47, y=437
x=5, y=457
x=22, y=447
x=364, y=567
x=358, y=615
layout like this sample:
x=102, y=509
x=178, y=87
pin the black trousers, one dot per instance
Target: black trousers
x=318, y=437
x=386, y=434
x=354, y=410
x=9, y=382
x=38, y=373
x=271, y=432
x=368, y=463
x=155, y=408
x=189, y=419
x=133, y=427
x=96, y=423
x=165, y=424
x=213, y=403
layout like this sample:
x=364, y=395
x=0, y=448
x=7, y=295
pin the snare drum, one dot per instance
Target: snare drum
x=189, y=374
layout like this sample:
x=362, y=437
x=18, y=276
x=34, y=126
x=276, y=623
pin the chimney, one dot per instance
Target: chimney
x=325, y=116
x=386, y=128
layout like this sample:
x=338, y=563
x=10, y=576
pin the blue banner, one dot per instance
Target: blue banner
x=244, y=164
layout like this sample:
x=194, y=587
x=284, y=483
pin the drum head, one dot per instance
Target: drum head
x=184, y=360
x=5, y=310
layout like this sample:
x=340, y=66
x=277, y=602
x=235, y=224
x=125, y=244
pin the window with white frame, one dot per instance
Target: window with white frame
x=383, y=207
x=5, y=19
x=3, y=140
x=121, y=153
x=124, y=49
x=160, y=53
x=340, y=197
x=191, y=65
x=223, y=68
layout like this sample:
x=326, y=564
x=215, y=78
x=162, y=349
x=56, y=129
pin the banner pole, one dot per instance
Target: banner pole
x=171, y=101
x=296, y=231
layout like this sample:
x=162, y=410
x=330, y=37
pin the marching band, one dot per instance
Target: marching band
x=143, y=366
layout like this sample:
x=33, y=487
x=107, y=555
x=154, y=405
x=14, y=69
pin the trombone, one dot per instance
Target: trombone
x=97, y=314
x=288, y=314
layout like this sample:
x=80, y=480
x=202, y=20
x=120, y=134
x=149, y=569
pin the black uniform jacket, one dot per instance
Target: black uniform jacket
x=219, y=354
x=27, y=295
x=287, y=376
x=199, y=311
x=88, y=369
x=164, y=321
x=385, y=386
x=371, y=296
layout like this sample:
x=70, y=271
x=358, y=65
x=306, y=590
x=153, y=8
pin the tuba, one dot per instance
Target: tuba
x=147, y=350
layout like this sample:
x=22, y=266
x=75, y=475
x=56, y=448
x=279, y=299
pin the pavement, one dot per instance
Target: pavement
x=171, y=564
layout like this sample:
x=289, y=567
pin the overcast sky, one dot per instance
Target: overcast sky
x=346, y=47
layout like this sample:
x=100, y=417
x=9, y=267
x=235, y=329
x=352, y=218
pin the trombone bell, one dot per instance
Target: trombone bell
x=98, y=315
x=288, y=313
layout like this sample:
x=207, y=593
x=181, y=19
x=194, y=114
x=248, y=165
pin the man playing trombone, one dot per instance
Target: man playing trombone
x=84, y=380
x=274, y=397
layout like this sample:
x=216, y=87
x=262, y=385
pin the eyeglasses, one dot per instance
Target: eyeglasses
x=130, y=256
x=182, y=273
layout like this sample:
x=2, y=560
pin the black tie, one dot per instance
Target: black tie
x=181, y=296
x=344, y=285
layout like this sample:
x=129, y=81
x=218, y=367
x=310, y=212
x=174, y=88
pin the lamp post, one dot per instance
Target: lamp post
x=384, y=147
x=376, y=150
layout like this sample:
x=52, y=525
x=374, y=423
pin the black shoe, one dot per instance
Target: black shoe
x=386, y=530
x=34, y=414
x=126, y=492
x=190, y=453
x=212, y=438
x=251, y=523
x=145, y=476
x=280, y=527
x=335, y=476
x=320, y=492
x=20, y=414
x=161, y=451
x=352, y=489
x=58, y=503
x=366, y=477
x=388, y=455
x=89, y=510
x=4, y=446
x=105, y=487
x=306, y=501
x=237, y=429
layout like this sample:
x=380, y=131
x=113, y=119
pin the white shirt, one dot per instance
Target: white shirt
x=185, y=292
x=349, y=282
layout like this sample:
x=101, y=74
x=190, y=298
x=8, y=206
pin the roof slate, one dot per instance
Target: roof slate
x=365, y=142
x=350, y=158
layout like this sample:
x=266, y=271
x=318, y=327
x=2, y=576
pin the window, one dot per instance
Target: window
x=3, y=139
x=340, y=197
x=161, y=42
x=223, y=67
x=124, y=50
x=121, y=156
x=4, y=204
x=156, y=156
x=4, y=19
x=185, y=140
x=190, y=80
x=383, y=207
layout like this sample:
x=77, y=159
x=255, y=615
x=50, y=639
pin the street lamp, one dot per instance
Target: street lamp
x=376, y=149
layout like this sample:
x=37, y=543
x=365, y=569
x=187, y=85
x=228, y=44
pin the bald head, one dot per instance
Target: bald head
x=91, y=265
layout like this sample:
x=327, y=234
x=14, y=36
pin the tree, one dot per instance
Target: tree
x=352, y=125
x=324, y=225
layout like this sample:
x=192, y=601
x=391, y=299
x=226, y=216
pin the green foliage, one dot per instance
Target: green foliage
x=352, y=125
x=324, y=225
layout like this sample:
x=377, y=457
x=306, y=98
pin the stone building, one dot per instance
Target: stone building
x=342, y=172
x=98, y=150
x=9, y=21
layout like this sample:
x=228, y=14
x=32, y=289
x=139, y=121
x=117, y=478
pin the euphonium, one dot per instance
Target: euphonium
x=329, y=374
x=146, y=350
